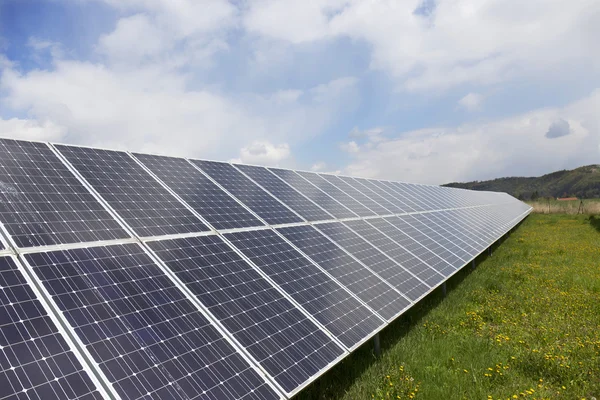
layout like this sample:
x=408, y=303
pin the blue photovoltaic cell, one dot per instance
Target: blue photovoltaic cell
x=469, y=240
x=400, y=194
x=439, y=234
x=343, y=315
x=289, y=346
x=451, y=236
x=417, y=231
x=337, y=194
x=398, y=253
x=422, y=252
x=383, y=265
x=43, y=203
x=389, y=196
x=367, y=286
x=408, y=190
x=343, y=184
x=149, y=340
x=147, y=207
x=315, y=194
x=36, y=363
x=199, y=192
x=375, y=194
x=255, y=198
x=285, y=193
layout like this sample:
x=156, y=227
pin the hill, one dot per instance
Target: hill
x=582, y=182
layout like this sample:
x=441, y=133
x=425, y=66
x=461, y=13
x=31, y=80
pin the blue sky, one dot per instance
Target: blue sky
x=431, y=91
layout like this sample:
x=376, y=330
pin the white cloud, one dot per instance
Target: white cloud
x=263, y=153
x=350, y=147
x=471, y=102
x=17, y=128
x=318, y=166
x=486, y=150
x=460, y=42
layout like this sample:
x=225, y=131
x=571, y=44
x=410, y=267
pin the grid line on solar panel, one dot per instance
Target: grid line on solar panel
x=345, y=317
x=471, y=230
x=43, y=203
x=415, y=230
x=455, y=231
x=396, y=251
x=388, y=269
x=381, y=198
x=216, y=206
x=399, y=205
x=444, y=237
x=400, y=194
x=376, y=293
x=411, y=190
x=339, y=195
x=315, y=194
x=256, y=199
x=148, y=339
x=35, y=360
x=413, y=247
x=285, y=193
x=424, y=254
x=136, y=197
x=288, y=345
x=344, y=185
x=477, y=223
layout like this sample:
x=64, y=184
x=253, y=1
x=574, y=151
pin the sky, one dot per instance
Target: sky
x=428, y=91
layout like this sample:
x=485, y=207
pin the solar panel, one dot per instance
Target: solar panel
x=377, y=195
x=399, y=194
x=424, y=203
x=148, y=339
x=376, y=293
x=343, y=198
x=147, y=207
x=43, y=203
x=451, y=234
x=290, y=347
x=285, y=193
x=398, y=205
x=459, y=230
x=199, y=192
x=401, y=255
x=413, y=246
x=35, y=360
x=427, y=238
x=315, y=194
x=383, y=265
x=255, y=198
x=347, y=187
x=329, y=303
x=441, y=236
x=468, y=227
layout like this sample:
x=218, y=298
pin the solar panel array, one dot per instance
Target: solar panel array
x=135, y=276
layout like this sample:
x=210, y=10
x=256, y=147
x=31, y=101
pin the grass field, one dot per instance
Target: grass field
x=545, y=206
x=524, y=324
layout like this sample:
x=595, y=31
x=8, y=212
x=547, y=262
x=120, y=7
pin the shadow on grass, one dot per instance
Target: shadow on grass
x=595, y=222
x=340, y=378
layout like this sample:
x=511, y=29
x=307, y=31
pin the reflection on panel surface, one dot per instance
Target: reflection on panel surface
x=288, y=345
x=148, y=339
x=43, y=203
x=342, y=314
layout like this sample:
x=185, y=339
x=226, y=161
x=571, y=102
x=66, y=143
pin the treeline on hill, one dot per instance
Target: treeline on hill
x=582, y=182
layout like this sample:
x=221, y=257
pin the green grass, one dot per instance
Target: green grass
x=524, y=323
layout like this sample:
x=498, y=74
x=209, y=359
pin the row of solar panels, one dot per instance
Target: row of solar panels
x=290, y=278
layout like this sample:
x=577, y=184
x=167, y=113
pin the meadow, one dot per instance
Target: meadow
x=552, y=206
x=524, y=324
